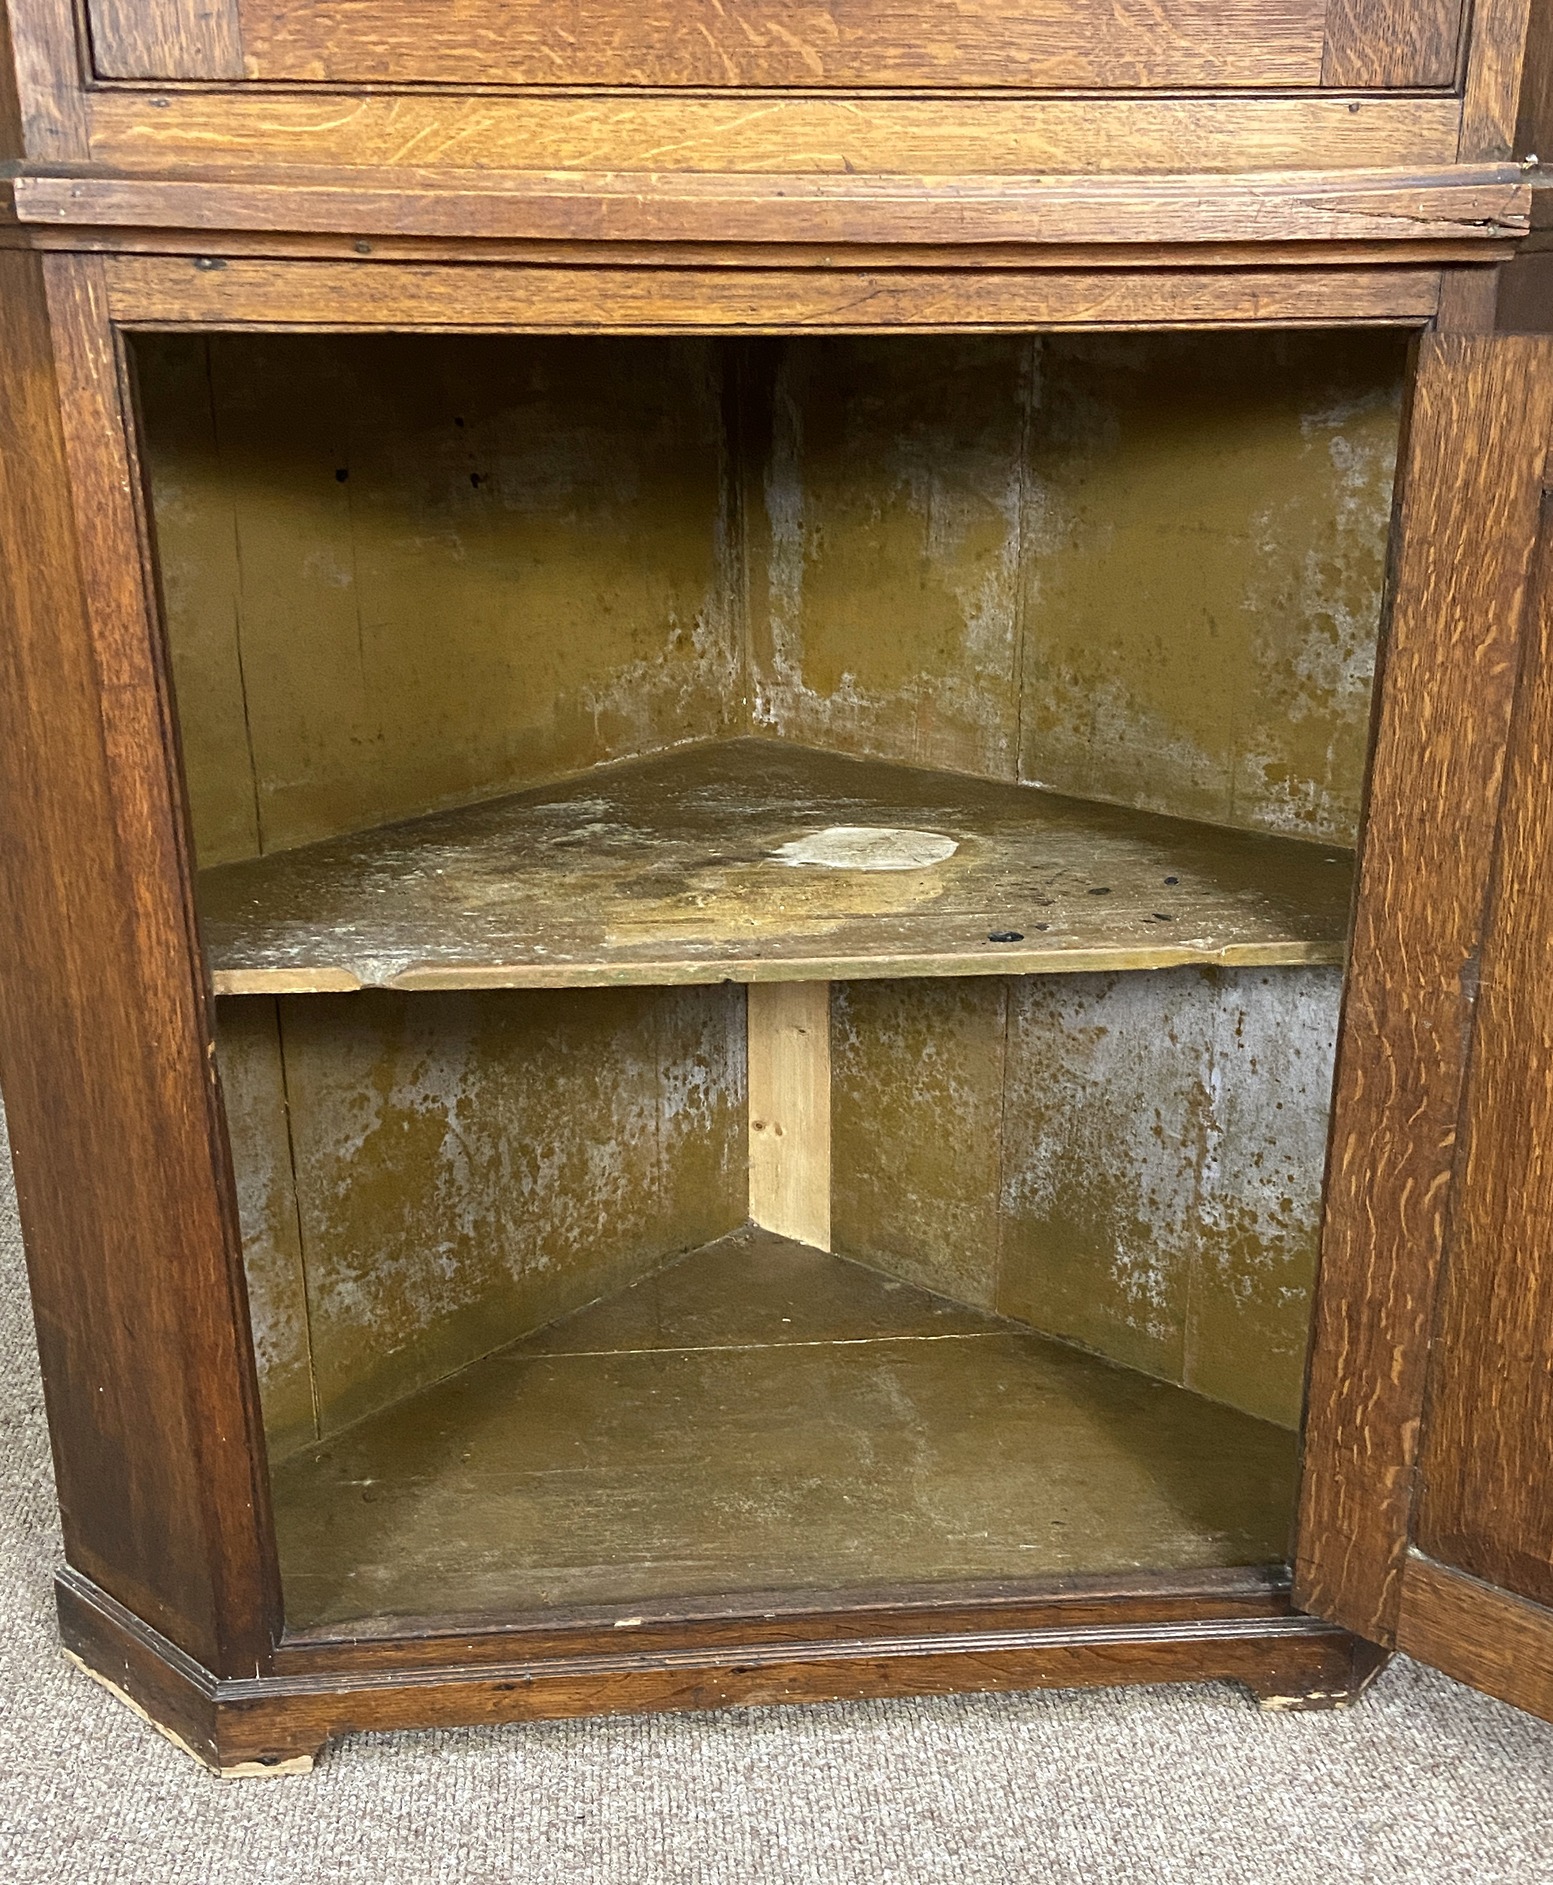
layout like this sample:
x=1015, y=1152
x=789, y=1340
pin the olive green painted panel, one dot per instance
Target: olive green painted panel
x=883, y=522
x=471, y=1166
x=1164, y=1148
x=253, y=1087
x=1207, y=524
x=197, y=559
x=462, y=565
x=703, y=1151
x=916, y=1128
x=1259, y=1209
x=659, y=1451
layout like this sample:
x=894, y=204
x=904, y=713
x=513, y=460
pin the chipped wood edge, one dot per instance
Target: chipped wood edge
x=756, y=970
x=239, y=1770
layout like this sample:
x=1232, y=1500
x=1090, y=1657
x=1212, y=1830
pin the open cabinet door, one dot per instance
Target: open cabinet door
x=1426, y=1518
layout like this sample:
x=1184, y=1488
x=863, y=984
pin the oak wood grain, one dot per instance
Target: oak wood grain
x=1482, y=1636
x=776, y=131
x=810, y=43
x=1485, y=1504
x=150, y=291
x=165, y=39
x=1060, y=1640
x=1376, y=43
x=1371, y=206
x=42, y=80
x=1468, y=501
x=1491, y=96
x=120, y=1160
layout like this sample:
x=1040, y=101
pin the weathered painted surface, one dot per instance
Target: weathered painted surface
x=916, y=1111
x=468, y=1167
x=765, y=1417
x=404, y=573
x=253, y=1084
x=884, y=521
x=1139, y=568
x=1164, y=1145
x=450, y=567
x=682, y=868
x=1206, y=539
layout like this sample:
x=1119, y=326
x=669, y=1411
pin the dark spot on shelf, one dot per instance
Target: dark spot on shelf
x=1172, y=880
x=363, y=248
x=458, y=422
x=341, y=475
x=1005, y=935
x=477, y=478
x=1043, y=926
x=1100, y=890
x=1160, y=917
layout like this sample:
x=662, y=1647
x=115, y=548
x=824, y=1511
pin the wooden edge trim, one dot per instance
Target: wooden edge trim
x=1464, y=200
x=277, y=1723
x=1478, y=1634
x=328, y=296
x=785, y=1617
x=776, y=971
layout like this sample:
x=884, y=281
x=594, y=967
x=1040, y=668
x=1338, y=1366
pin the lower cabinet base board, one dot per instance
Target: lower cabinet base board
x=277, y=1723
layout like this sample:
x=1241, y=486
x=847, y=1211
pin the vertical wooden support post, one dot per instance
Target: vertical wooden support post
x=789, y=1099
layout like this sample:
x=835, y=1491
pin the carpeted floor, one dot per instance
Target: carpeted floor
x=1422, y=1782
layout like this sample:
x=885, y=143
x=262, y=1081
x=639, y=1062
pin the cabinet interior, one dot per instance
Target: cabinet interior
x=777, y=909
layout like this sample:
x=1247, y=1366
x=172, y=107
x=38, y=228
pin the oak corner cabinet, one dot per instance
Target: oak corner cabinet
x=775, y=788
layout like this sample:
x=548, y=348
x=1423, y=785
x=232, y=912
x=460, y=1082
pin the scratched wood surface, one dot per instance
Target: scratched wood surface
x=763, y=1416
x=682, y=869
x=798, y=43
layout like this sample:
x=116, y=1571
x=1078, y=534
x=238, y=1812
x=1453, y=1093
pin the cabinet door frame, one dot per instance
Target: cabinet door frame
x=1465, y=550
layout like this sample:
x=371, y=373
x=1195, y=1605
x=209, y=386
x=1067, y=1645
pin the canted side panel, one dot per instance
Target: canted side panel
x=1142, y=569
x=796, y=43
x=426, y=1178
x=407, y=573
x=137, y=1290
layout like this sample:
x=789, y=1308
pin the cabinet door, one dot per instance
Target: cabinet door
x=808, y=44
x=1427, y=1504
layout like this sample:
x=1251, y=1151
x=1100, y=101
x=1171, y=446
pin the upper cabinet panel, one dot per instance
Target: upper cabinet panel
x=1004, y=45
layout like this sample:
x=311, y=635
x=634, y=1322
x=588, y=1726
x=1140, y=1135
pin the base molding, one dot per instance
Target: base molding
x=278, y=1723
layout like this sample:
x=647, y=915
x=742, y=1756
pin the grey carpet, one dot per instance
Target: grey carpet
x=1423, y=1781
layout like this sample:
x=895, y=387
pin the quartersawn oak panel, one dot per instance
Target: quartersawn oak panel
x=1375, y=43
x=164, y=39
x=1484, y=1504
x=1469, y=494
x=793, y=43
